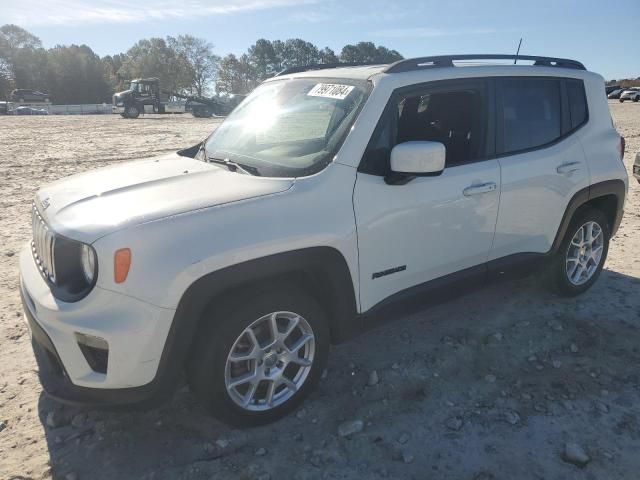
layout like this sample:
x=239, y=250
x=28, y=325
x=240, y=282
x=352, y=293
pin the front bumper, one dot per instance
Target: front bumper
x=134, y=330
x=57, y=384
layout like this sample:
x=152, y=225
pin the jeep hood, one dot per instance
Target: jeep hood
x=90, y=205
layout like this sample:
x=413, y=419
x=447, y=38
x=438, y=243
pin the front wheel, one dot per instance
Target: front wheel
x=132, y=111
x=622, y=100
x=256, y=360
x=581, y=256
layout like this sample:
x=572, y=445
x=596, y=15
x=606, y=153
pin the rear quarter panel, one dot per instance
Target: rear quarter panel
x=599, y=138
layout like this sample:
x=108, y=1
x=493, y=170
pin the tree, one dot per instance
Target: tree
x=367, y=52
x=6, y=77
x=15, y=38
x=236, y=75
x=75, y=74
x=326, y=55
x=112, y=65
x=262, y=57
x=154, y=58
x=22, y=58
x=298, y=52
x=201, y=62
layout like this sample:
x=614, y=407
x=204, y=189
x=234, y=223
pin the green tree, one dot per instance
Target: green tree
x=75, y=74
x=262, y=57
x=298, y=52
x=236, y=75
x=112, y=65
x=154, y=58
x=326, y=55
x=22, y=59
x=367, y=52
x=201, y=62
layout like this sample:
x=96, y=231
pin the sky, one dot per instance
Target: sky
x=603, y=36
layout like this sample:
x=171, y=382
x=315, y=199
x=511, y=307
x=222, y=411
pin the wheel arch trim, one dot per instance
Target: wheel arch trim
x=615, y=187
x=323, y=263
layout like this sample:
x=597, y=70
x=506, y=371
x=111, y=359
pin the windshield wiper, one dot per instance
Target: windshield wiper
x=234, y=166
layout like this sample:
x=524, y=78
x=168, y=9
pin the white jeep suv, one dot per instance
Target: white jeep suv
x=329, y=197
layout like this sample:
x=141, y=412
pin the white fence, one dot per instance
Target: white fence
x=88, y=109
x=85, y=109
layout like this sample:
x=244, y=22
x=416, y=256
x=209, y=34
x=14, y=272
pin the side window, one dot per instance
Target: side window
x=455, y=117
x=376, y=159
x=529, y=113
x=577, y=102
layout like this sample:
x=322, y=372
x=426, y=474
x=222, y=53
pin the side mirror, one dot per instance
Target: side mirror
x=418, y=158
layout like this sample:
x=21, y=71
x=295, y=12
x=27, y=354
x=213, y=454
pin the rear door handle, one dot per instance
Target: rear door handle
x=480, y=188
x=569, y=167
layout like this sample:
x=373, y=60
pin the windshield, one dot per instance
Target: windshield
x=134, y=86
x=289, y=128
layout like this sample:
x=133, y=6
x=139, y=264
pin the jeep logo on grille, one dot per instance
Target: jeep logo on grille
x=44, y=203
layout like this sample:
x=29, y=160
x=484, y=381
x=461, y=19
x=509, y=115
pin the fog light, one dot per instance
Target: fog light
x=95, y=351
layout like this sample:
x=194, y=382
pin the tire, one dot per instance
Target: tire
x=562, y=268
x=224, y=332
x=622, y=100
x=635, y=99
x=132, y=111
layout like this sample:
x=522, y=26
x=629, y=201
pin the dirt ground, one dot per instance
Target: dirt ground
x=490, y=386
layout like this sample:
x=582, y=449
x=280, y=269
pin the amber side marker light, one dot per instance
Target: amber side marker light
x=121, y=264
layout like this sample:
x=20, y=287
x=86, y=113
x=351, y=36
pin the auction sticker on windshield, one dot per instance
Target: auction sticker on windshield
x=330, y=90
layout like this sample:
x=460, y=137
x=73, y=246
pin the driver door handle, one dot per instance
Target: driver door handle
x=479, y=188
x=569, y=167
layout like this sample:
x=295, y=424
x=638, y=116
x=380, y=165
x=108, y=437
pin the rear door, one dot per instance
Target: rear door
x=413, y=232
x=542, y=162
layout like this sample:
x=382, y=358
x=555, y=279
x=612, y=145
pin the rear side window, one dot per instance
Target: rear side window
x=529, y=113
x=577, y=102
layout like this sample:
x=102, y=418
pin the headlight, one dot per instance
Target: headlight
x=88, y=261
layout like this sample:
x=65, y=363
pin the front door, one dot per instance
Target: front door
x=427, y=227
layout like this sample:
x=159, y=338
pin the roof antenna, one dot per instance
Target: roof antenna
x=515, y=60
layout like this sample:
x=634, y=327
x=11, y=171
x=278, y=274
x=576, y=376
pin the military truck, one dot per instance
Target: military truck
x=145, y=96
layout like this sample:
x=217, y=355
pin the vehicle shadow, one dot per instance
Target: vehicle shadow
x=511, y=346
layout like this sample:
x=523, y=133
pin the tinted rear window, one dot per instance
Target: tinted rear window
x=577, y=102
x=530, y=113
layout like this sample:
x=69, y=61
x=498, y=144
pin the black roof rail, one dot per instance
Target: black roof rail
x=447, y=61
x=322, y=66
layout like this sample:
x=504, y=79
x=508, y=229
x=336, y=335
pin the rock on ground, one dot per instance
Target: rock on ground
x=574, y=453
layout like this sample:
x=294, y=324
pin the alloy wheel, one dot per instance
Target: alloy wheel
x=584, y=253
x=270, y=361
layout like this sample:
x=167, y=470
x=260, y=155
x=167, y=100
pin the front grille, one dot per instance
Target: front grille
x=43, y=246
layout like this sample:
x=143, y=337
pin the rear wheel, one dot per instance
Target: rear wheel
x=255, y=361
x=581, y=256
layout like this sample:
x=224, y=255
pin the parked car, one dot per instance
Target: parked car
x=24, y=110
x=327, y=199
x=632, y=94
x=25, y=95
x=636, y=167
x=611, y=88
x=615, y=94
